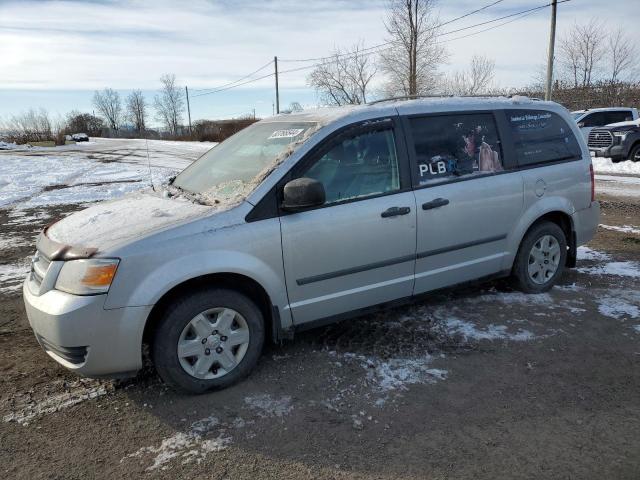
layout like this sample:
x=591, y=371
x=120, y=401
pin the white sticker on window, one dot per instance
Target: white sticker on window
x=290, y=133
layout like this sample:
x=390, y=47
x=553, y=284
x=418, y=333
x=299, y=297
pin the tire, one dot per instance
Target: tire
x=542, y=278
x=634, y=154
x=182, y=329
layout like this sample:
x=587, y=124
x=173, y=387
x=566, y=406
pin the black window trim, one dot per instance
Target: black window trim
x=370, y=125
x=270, y=205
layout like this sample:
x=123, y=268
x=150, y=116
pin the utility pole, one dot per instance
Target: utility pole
x=254, y=113
x=186, y=90
x=275, y=62
x=552, y=42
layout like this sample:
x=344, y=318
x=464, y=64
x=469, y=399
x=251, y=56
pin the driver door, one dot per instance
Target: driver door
x=358, y=249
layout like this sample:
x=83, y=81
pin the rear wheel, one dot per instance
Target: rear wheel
x=208, y=340
x=541, y=258
x=634, y=154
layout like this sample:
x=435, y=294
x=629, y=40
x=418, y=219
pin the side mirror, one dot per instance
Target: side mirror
x=303, y=193
x=581, y=124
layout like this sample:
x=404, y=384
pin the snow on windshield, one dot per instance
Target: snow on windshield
x=236, y=166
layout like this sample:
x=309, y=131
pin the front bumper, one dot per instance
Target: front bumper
x=614, y=152
x=80, y=334
x=585, y=223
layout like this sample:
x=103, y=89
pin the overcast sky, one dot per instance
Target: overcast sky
x=54, y=54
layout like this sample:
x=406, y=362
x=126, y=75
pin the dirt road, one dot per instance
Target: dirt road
x=474, y=382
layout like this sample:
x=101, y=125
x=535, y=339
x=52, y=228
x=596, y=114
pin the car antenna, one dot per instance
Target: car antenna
x=146, y=141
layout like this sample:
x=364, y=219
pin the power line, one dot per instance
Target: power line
x=373, y=50
x=235, y=81
x=302, y=60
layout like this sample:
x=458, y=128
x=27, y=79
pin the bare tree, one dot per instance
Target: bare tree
x=412, y=62
x=581, y=52
x=344, y=78
x=30, y=126
x=137, y=110
x=169, y=104
x=108, y=104
x=621, y=55
x=477, y=80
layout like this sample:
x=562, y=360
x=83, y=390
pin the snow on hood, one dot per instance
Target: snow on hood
x=110, y=223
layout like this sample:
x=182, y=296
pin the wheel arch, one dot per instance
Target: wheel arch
x=565, y=222
x=228, y=280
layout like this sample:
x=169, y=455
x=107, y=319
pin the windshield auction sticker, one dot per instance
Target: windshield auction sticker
x=292, y=132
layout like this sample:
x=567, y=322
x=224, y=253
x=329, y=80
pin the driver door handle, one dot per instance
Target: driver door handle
x=395, y=211
x=438, y=202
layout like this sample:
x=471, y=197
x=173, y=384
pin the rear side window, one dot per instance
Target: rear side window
x=454, y=146
x=540, y=137
x=618, y=116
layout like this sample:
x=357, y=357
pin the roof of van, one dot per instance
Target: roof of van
x=326, y=115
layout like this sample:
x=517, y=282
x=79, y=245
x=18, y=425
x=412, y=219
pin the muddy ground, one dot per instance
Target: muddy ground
x=472, y=382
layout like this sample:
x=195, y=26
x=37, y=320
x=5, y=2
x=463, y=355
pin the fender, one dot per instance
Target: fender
x=529, y=217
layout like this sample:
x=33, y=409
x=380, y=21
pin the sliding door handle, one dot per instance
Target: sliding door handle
x=438, y=202
x=395, y=211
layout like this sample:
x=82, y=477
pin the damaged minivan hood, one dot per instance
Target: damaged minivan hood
x=107, y=224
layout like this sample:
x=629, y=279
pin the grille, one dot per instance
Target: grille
x=39, y=266
x=75, y=355
x=599, y=138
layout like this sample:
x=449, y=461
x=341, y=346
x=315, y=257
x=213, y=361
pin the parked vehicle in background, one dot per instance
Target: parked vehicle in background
x=307, y=218
x=618, y=141
x=80, y=137
x=599, y=117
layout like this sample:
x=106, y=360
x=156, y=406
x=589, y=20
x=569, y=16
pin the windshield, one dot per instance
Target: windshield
x=229, y=168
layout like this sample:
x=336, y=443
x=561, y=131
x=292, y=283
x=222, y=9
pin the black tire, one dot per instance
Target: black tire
x=634, y=154
x=521, y=264
x=179, y=314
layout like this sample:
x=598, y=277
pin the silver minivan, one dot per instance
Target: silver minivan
x=308, y=218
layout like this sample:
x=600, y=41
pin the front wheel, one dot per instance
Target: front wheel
x=541, y=258
x=634, y=154
x=208, y=340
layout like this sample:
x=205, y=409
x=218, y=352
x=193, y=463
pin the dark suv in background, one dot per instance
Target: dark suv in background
x=619, y=141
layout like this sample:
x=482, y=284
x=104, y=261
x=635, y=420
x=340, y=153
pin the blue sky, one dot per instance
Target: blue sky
x=54, y=54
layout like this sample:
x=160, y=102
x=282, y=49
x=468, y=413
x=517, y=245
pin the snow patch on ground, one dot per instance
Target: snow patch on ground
x=623, y=229
x=619, y=269
x=25, y=408
x=398, y=373
x=605, y=165
x=637, y=328
x=492, y=332
x=586, y=253
x=12, y=276
x=620, y=304
x=266, y=406
x=190, y=446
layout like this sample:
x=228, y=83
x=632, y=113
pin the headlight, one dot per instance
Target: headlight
x=87, y=277
x=622, y=134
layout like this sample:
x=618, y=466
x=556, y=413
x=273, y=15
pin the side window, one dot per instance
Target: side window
x=618, y=116
x=452, y=146
x=597, y=119
x=540, y=136
x=358, y=166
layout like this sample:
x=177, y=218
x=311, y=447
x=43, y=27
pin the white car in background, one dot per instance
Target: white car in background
x=599, y=117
